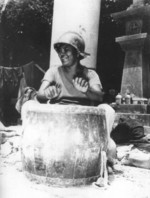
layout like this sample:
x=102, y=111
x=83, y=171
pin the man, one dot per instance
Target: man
x=75, y=82
x=70, y=80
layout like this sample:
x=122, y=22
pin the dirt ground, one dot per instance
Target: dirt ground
x=131, y=183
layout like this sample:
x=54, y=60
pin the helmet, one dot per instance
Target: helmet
x=75, y=40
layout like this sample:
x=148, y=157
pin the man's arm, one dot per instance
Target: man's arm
x=48, y=91
x=95, y=93
x=41, y=93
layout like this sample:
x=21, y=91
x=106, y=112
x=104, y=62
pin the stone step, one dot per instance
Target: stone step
x=144, y=119
x=147, y=130
x=132, y=108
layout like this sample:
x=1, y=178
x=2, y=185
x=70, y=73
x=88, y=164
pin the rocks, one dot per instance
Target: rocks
x=132, y=156
x=13, y=159
x=6, y=149
x=9, y=139
x=15, y=142
x=10, y=148
x=137, y=158
x=2, y=127
x=10, y=145
x=122, y=151
x=9, y=132
x=2, y=139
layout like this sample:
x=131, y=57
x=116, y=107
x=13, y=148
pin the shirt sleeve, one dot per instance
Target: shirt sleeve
x=93, y=78
x=50, y=75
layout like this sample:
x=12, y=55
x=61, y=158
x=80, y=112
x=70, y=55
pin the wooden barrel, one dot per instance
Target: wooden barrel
x=61, y=144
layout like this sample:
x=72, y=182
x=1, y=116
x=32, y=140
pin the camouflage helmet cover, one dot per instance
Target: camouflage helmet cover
x=75, y=40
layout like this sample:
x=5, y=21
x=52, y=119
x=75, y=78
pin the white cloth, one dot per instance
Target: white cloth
x=110, y=118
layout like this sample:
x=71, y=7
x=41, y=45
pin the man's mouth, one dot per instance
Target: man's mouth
x=64, y=59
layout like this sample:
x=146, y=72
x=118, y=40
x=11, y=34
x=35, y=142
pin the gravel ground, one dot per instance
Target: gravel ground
x=131, y=183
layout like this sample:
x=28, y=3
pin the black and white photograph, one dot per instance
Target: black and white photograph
x=74, y=98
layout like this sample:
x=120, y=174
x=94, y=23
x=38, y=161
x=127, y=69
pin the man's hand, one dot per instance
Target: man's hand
x=52, y=91
x=80, y=84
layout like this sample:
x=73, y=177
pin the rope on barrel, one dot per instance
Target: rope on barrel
x=102, y=181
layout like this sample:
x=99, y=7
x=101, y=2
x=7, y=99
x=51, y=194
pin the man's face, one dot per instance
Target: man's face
x=67, y=55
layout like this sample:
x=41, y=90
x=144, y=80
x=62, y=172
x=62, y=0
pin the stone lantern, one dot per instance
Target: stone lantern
x=136, y=45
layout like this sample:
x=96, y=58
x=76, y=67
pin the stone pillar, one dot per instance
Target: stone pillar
x=136, y=45
x=136, y=73
x=77, y=15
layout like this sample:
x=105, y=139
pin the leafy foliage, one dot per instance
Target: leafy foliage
x=27, y=31
x=18, y=16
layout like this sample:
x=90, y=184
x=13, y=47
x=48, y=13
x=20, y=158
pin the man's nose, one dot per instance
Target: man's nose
x=62, y=52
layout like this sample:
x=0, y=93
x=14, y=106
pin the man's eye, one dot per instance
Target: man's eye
x=66, y=49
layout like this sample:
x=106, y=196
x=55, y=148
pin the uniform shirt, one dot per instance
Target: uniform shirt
x=56, y=75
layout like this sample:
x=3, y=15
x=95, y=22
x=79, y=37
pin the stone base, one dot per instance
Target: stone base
x=131, y=108
x=144, y=119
